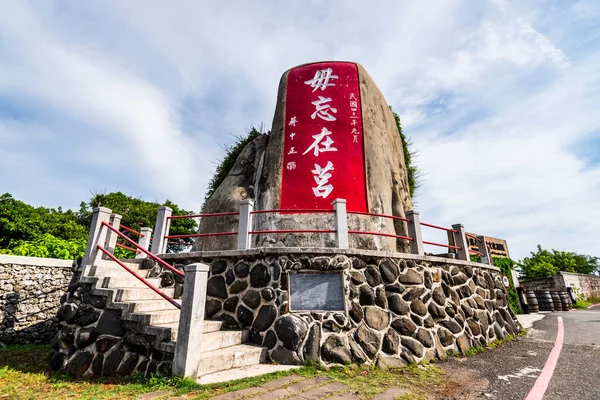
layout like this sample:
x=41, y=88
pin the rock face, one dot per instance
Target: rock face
x=257, y=174
x=240, y=184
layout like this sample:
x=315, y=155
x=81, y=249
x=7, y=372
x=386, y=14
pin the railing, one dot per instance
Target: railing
x=245, y=230
x=104, y=231
x=448, y=246
x=149, y=254
x=287, y=231
x=143, y=241
x=102, y=240
x=458, y=243
x=144, y=281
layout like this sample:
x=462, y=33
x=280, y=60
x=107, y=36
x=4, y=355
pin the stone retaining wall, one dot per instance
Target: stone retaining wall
x=30, y=291
x=101, y=336
x=583, y=286
x=400, y=308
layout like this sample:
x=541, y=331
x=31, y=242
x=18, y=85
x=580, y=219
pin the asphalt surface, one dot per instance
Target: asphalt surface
x=509, y=371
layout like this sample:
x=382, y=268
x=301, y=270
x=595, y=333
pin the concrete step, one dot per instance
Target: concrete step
x=134, y=294
x=222, y=339
x=164, y=317
x=214, y=341
x=231, y=357
x=207, y=327
x=144, y=306
x=110, y=268
x=129, y=281
x=243, y=372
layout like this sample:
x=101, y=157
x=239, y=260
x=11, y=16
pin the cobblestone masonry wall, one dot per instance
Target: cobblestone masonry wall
x=30, y=291
x=400, y=310
x=102, y=336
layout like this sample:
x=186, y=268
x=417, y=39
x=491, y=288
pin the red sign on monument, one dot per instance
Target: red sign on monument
x=323, y=157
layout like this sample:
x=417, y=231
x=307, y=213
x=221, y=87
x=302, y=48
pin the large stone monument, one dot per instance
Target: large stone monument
x=333, y=136
x=299, y=297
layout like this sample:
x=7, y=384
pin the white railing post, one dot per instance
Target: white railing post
x=341, y=224
x=144, y=241
x=191, y=319
x=460, y=240
x=111, y=242
x=97, y=234
x=483, y=249
x=161, y=229
x=414, y=231
x=245, y=224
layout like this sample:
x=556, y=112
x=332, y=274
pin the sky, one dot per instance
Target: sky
x=501, y=100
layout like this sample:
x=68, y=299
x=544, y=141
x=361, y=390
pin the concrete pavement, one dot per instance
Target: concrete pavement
x=510, y=371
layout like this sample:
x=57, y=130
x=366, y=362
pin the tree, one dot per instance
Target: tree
x=138, y=213
x=20, y=222
x=45, y=232
x=545, y=263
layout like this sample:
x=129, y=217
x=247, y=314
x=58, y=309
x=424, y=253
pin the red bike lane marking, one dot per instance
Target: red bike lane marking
x=542, y=382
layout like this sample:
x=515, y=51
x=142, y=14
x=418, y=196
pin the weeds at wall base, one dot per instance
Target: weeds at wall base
x=26, y=374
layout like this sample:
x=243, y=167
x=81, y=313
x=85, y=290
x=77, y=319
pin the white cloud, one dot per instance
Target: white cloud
x=496, y=95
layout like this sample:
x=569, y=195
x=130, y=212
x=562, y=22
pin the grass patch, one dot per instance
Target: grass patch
x=582, y=304
x=25, y=374
x=370, y=381
x=480, y=349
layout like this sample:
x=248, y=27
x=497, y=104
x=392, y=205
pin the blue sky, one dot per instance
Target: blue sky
x=500, y=98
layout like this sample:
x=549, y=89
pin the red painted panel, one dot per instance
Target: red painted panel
x=323, y=155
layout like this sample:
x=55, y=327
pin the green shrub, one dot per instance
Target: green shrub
x=506, y=265
x=48, y=246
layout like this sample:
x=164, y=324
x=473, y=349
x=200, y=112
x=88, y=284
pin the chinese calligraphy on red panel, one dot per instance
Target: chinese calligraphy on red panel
x=323, y=155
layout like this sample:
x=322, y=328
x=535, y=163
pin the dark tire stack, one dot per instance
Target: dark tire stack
x=565, y=300
x=532, y=303
x=556, y=301
x=544, y=300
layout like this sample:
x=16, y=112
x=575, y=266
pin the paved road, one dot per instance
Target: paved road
x=510, y=371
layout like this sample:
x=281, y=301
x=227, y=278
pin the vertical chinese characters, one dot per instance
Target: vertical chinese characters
x=323, y=153
x=323, y=142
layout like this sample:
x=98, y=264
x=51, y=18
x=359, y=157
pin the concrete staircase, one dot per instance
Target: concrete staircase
x=147, y=315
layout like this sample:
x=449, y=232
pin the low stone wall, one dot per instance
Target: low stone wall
x=400, y=307
x=583, y=286
x=30, y=292
x=555, y=283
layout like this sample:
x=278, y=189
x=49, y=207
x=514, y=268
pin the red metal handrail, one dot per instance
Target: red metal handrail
x=439, y=227
x=443, y=245
x=152, y=256
x=127, y=247
x=224, y=214
x=132, y=272
x=473, y=236
x=200, y=235
x=382, y=234
x=132, y=231
x=379, y=215
x=288, y=211
x=292, y=231
x=476, y=252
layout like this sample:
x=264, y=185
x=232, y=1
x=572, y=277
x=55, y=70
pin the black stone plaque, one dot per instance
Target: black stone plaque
x=314, y=292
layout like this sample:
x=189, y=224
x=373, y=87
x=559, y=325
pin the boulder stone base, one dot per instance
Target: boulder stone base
x=399, y=306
